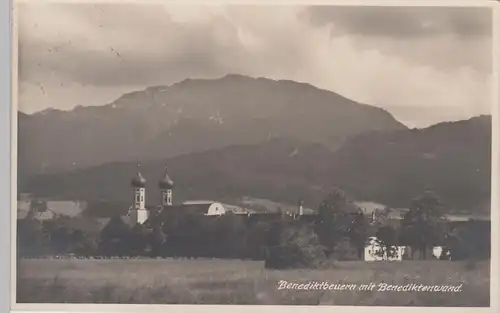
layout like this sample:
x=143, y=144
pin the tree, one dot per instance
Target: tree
x=59, y=233
x=358, y=233
x=60, y=238
x=114, y=238
x=32, y=237
x=387, y=238
x=382, y=217
x=158, y=239
x=234, y=231
x=338, y=218
x=138, y=239
x=298, y=247
x=258, y=238
x=468, y=240
x=188, y=234
x=424, y=225
x=82, y=243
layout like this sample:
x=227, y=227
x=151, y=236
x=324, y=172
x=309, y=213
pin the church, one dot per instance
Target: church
x=140, y=214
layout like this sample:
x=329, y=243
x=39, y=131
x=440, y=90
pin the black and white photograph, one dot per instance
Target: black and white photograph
x=211, y=153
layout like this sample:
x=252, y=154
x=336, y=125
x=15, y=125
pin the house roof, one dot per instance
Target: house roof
x=198, y=208
x=44, y=216
x=368, y=207
x=234, y=209
x=190, y=202
x=162, y=213
x=273, y=216
x=67, y=208
x=22, y=214
x=24, y=196
x=23, y=208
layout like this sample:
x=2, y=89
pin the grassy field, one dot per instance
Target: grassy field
x=155, y=281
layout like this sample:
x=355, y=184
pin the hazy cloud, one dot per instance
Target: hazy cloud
x=404, y=31
x=404, y=22
x=89, y=54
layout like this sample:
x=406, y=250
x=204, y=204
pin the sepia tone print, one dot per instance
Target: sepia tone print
x=260, y=155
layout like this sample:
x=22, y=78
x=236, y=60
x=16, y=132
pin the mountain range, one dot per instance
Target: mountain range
x=239, y=136
x=191, y=116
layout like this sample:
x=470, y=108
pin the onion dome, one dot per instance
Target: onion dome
x=166, y=182
x=138, y=181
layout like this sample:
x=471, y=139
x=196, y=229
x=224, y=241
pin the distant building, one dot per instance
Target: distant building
x=374, y=251
x=44, y=216
x=43, y=209
x=25, y=197
x=66, y=208
x=138, y=213
x=23, y=208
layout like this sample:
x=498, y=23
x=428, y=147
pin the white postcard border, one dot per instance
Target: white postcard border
x=495, y=189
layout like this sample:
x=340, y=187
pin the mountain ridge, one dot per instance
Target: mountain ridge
x=189, y=116
x=453, y=159
x=189, y=80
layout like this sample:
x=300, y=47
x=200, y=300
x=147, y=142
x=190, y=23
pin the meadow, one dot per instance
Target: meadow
x=212, y=281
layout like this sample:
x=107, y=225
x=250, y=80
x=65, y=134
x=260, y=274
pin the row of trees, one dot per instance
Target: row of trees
x=338, y=231
x=341, y=227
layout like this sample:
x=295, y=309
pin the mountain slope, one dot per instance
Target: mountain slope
x=278, y=169
x=453, y=159
x=191, y=116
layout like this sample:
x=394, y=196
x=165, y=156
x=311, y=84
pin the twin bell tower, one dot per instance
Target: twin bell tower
x=138, y=213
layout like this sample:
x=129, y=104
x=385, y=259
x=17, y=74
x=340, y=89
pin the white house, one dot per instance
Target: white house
x=438, y=251
x=375, y=252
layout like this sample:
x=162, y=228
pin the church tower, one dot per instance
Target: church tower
x=166, y=185
x=139, y=214
x=301, y=208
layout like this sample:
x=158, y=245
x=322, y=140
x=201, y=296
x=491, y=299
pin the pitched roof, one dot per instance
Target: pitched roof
x=163, y=212
x=44, y=216
x=23, y=208
x=368, y=207
x=191, y=202
x=67, y=208
x=234, y=208
x=198, y=208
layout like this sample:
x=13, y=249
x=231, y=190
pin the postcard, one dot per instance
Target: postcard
x=221, y=155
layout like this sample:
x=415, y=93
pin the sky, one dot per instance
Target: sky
x=423, y=65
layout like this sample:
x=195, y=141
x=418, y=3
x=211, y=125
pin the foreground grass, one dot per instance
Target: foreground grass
x=152, y=281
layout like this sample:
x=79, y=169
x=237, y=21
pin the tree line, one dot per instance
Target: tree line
x=338, y=231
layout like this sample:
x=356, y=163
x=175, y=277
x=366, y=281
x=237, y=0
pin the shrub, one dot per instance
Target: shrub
x=299, y=247
x=345, y=250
